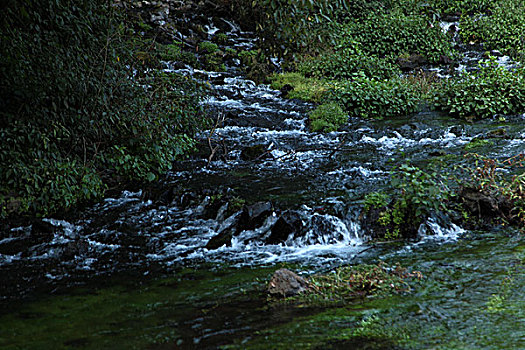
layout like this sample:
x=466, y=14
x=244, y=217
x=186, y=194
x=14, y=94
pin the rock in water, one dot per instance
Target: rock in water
x=289, y=222
x=285, y=283
x=253, y=216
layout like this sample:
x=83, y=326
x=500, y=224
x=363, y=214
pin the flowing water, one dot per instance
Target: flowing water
x=133, y=272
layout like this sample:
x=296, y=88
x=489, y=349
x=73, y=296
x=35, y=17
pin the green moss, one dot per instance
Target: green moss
x=208, y=47
x=126, y=316
x=327, y=117
x=478, y=143
x=220, y=38
x=307, y=89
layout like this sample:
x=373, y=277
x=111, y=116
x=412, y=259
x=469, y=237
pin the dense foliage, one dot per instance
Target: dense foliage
x=77, y=112
x=487, y=92
x=414, y=196
x=369, y=98
x=347, y=62
x=502, y=28
x=397, y=34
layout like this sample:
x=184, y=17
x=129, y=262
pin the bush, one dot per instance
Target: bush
x=208, y=47
x=485, y=93
x=415, y=195
x=396, y=34
x=348, y=63
x=503, y=29
x=327, y=117
x=461, y=7
x=368, y=98
x=79, y=106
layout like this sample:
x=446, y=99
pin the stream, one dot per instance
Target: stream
x=134, y=270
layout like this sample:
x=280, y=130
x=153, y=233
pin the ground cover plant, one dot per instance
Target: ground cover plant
x=327, y=117
x=348, y=283
x=487, y=92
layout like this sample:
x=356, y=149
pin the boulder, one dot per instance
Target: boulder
x=254, y=215
x=483, y=205
x=289, y=222
x=225, y=235
x=42, y=231
x=411, y=62
x=285, y=283
x=221, y=239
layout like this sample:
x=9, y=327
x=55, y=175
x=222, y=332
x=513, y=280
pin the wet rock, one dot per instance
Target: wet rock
x=14, y=246
x=285, y=283
x=222, y=239
x=255, y=152
x=254, y=215
x=42, y=231
x=289, y=223
x=445, y=60
x=75, y=248
x=483, y=205
x=285, y=90
x=457, y=130
x=411, y=62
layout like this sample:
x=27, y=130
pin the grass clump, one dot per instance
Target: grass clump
x=350, y=282
x=478, y=143
x=306, y=89
x=327, y=117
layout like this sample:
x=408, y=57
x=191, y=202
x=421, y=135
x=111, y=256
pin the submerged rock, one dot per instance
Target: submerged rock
x=285, y=283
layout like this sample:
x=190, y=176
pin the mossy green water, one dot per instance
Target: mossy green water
x=471, y=297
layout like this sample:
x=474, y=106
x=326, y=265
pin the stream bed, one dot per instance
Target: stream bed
x=134, y=271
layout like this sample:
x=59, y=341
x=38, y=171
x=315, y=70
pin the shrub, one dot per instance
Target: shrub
x=461, y=7
x=220, y=38
x=208, y=47
x=415, y=195
x=502, y=29
x=348, y=63
x=482, y=94
x=327, y=117
x=80, y=107
x=396, y=34
x=376, y=99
